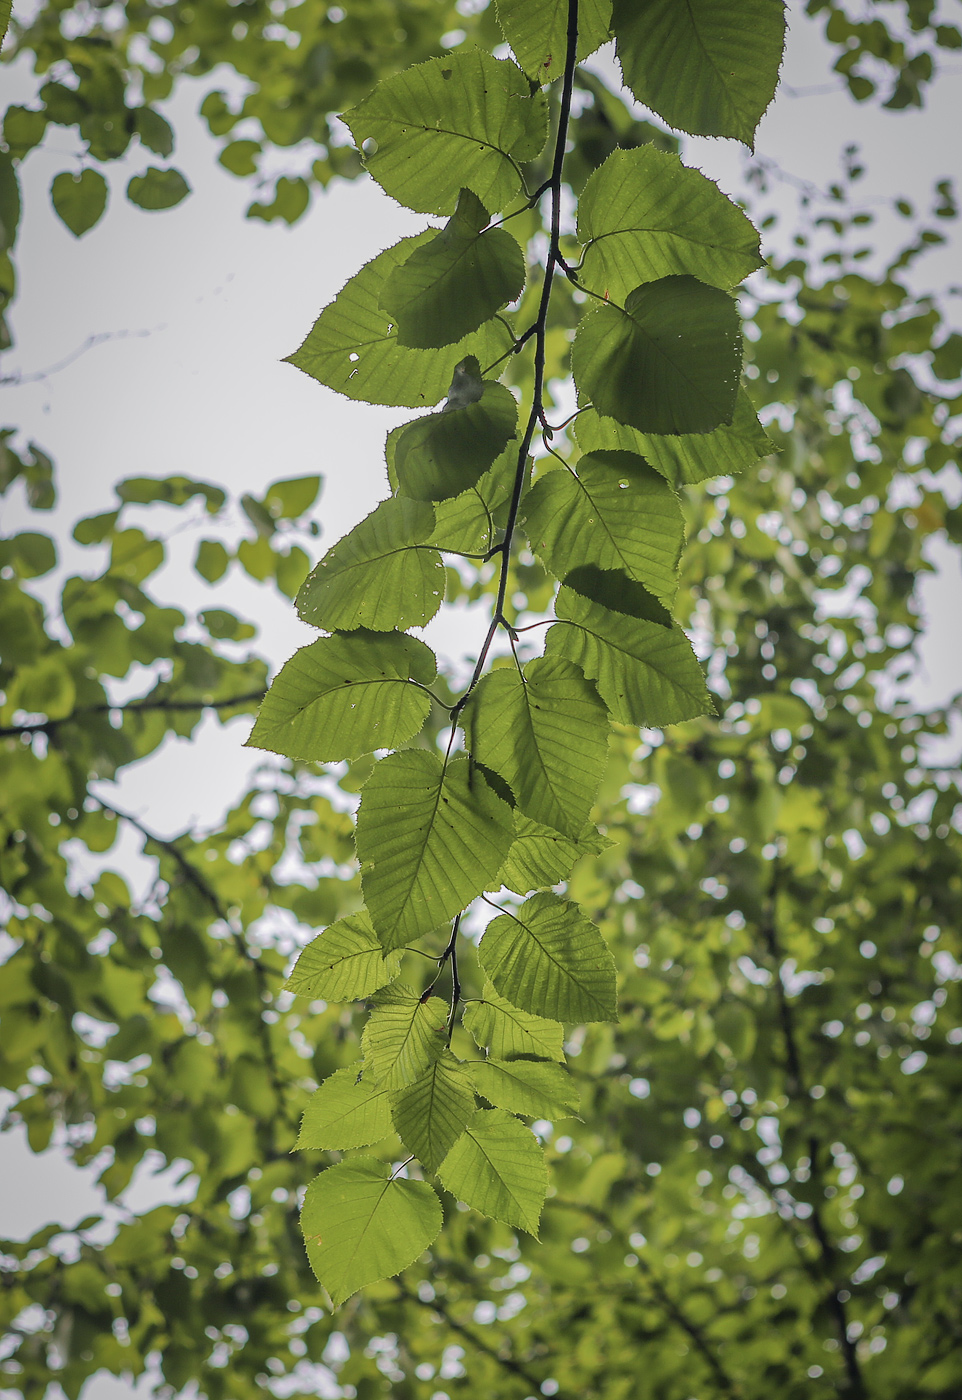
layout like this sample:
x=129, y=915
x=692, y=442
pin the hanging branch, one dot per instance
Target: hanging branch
x=798, y=1090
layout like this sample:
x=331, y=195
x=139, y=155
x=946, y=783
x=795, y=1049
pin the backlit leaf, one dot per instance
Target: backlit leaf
x=463, y=121
x=546, y=734
x=431, y=1113
x=708, y=67
x=469, y=523
x=497, y=1166
x=620, y=636
x=537, y=32
x=548, y=958
x=446, y=453
x=448, y=287
x=344, y=963
x=157, y=189
x=508, y=1032
x=429, y=838
x=346, y=695
x=361, y=1224
x=644, y=215
x=404, y=1036
x=616, y=512
x=353, y=345
x=668, y=363
x=381, y=575
x=79, y=199
x=535, y=1088
x=540, y=856
x=347, y=1110
x=687, y=459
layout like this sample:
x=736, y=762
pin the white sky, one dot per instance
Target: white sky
x=203, y=393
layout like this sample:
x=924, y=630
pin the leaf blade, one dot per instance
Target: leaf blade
x=345, y=1111
x=344, y=963
x=549, y=959
x=616, y=512
x=464, y=121
x=533, y=1087
x=404, y=1036
x=360, y=1225
x=353, y=346
x=668, y=362
x=497, y=1167
x=430, y=1114
x=429, y=837
x=346, y=695
x=641, y=662
x=688, y=458
x=708, y=67
x=449, y=287
x=644, y=215
x=382, y=575
x=507, y=1032
x=546, y=733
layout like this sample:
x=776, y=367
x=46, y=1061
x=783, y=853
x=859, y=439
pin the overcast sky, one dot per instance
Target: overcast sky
x=203, y=305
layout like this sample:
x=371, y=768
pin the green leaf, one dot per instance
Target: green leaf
x=430, y=1114
x=644, y=216
x=361, y=1224
x=690, y=458
x=708, y=67
x=548, y=958
x=381, y=575
x=154, y=131
x=447, y=288
x=291, y=199
x=540, y=856
x=173, y=490
x=157, y=189
x=668, y=363
x=29, y=554
x=79, y=199
x=211, y=560
x=240, y=157
x=531, y=1087
x=537, y=31
x=347, y=1111
x=546, y=734
x=464, y=121
x=404, y=1036
x=623, y=639
x=346, y=695
x=429, y=837
x=497, y=1167
x=225, y=626
x=344, y=963
x=23, y=129
x=507, y=1032
x=617, y=512
x=446, y=453
x=291, y=498
x=353, y=345
x=469, y=523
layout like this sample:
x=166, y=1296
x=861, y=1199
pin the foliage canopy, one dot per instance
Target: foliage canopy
x=751, y=1153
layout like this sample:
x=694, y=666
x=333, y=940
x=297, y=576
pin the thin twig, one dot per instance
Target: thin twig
x=47, y=726
x=100, y=338
x=507, y=1363
x=796, y=1087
